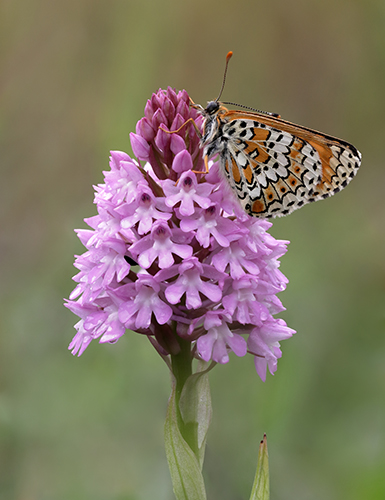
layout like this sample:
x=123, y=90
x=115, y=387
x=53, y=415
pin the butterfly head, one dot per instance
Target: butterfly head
x=211, y=110
x=212, y=107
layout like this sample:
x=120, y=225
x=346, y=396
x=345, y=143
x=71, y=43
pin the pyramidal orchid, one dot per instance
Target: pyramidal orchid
x=171, y=255
x=171, y=251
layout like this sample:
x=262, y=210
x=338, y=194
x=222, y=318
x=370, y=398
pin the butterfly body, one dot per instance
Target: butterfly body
x=274, y=166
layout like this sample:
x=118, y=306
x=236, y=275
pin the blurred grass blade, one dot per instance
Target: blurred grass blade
x=261, y=488
x=185, y=470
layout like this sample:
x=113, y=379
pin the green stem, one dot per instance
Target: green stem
x=182, y=369
x=181, y=366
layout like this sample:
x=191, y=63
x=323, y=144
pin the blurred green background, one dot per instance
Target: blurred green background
x=75, y=76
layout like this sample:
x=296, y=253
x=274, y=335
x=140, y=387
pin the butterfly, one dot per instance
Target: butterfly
x=274, y=166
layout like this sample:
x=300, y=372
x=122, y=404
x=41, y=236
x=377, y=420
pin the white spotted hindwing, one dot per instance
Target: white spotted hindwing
x=275, y=166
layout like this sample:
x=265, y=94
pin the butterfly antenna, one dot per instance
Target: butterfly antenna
x=228, y=57
x=275, y=115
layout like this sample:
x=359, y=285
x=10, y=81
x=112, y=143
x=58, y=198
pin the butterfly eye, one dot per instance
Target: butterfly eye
x=212, y=107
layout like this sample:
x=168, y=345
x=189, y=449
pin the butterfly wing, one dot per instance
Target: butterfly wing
x=275, y=167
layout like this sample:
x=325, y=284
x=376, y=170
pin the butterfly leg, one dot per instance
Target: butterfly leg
x=190, y=120
x=206, y=160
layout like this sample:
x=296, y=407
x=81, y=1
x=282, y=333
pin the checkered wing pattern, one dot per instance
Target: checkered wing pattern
x=274, y=166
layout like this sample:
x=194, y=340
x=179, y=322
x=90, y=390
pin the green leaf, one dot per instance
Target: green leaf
x=185, y=470
x=261, y=487
x=195, y=408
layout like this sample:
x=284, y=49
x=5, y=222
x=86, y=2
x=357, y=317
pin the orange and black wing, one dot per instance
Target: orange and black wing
x=275, y=166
